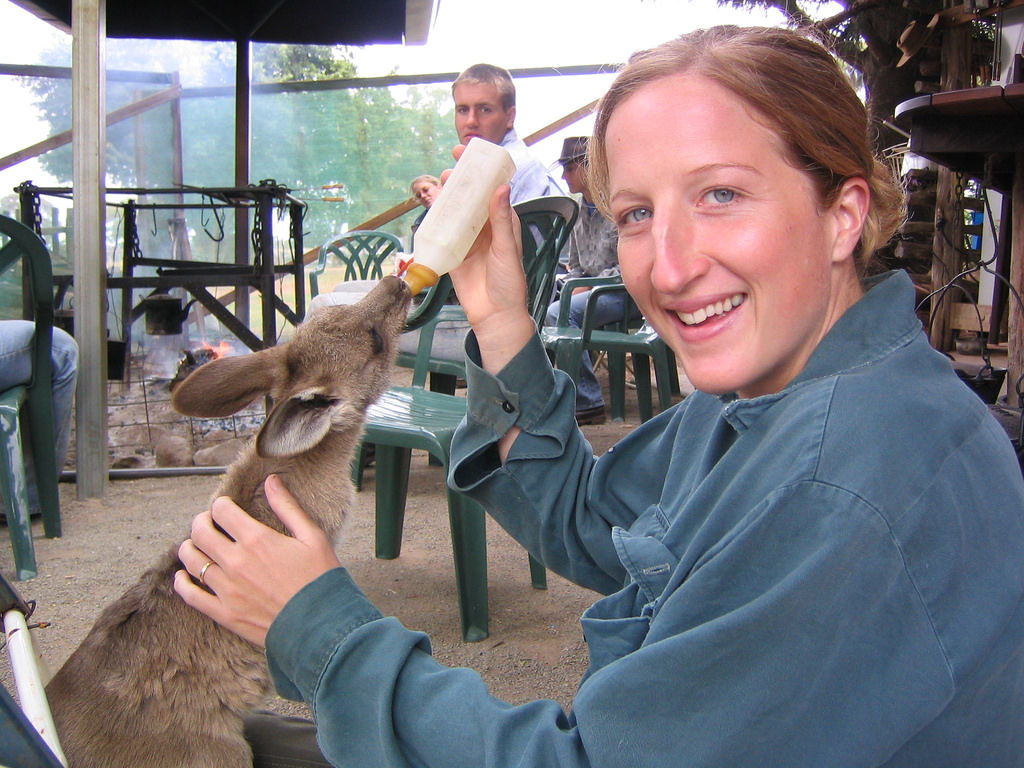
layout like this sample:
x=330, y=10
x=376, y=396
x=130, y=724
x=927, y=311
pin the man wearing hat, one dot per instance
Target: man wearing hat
x=593, y=252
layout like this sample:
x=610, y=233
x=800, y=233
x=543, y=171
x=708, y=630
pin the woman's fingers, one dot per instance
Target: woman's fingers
x=253, y=570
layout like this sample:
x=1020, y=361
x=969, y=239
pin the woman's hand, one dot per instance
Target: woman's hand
x=251, y=570
x=491, y=284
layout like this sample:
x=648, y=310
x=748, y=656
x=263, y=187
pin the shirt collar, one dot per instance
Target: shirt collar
x=874, y=327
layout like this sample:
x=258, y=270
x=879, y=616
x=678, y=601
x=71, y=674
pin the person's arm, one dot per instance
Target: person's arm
x=764, y=651
x=491, y=286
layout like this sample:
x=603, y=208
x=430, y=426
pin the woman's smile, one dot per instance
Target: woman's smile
x=717, y=309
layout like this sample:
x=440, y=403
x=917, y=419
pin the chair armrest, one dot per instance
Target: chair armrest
x=578, y=282
x=432, y=303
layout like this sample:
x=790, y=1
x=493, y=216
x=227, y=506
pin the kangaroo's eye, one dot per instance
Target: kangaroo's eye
x=378, y=341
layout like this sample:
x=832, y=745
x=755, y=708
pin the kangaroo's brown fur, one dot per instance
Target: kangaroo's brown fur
x=156, y=684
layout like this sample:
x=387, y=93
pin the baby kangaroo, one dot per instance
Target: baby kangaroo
x=157, y=684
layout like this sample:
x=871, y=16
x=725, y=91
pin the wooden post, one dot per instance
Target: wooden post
x=945, y=259
x=1015, y=363
x=88, y=110
x=948, y=219
x=243, y=124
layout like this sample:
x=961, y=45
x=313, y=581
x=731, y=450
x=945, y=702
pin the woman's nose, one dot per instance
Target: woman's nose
x=678, y=259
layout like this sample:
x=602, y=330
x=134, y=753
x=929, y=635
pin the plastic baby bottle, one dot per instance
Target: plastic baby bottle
x=455, y=219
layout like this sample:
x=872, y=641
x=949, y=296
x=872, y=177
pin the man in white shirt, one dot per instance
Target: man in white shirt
x=485, y=107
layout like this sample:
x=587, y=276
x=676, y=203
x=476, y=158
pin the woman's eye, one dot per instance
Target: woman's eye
x=637, y=215
x=721, y=196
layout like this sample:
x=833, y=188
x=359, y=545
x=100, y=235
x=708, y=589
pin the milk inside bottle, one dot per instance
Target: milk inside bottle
x=455, y=219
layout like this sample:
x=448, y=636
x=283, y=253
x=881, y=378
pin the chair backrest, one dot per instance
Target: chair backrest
x=20, y=245
x=362, y=253
x=547, y=223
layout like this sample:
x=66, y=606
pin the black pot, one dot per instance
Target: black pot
x=164, y=314
x=117, y=351
x=117, y=358
x=986, y=383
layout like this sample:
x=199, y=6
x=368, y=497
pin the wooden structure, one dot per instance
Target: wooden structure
x=980, y=132
x=197, y=277
x=336, y=22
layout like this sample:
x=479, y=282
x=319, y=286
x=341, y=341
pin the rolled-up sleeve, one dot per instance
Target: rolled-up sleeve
x=543, y=494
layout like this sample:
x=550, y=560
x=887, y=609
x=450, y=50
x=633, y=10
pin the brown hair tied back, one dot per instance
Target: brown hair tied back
x=795, y=86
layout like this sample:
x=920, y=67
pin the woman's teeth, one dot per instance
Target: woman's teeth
x=719, y=308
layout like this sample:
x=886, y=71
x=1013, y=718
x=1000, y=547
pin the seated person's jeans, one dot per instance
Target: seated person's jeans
x=16, y=368
x=607, y=309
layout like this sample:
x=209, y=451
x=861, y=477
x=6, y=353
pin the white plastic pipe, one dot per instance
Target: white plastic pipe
x=29, y=681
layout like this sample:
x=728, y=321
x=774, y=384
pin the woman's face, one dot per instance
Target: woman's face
x=426, y=193
x=722, y=243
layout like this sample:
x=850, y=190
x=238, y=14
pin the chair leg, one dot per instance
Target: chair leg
x=358, y=466
x=15, y=496
x=665, y=370
x=673, y=371
x=642, y=374
x=392, y=488
x=538, y=574
x=617, y=384
x=44, y=458
x=469, y=551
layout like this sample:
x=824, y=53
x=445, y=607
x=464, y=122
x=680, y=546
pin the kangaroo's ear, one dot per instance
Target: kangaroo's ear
x=225, y=386
x=299, y=423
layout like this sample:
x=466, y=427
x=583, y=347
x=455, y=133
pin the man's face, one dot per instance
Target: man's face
x=572, y=174
x=478, y=112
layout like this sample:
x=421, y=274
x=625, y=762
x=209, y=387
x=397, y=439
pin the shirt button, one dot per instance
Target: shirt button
x=507, y=407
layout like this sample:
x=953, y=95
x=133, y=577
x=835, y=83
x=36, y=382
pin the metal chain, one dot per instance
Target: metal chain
x=37, y=215
x=257, y=237
x=131, y=232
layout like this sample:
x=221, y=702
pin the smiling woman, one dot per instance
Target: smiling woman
x=753, y=201
x=800, y=563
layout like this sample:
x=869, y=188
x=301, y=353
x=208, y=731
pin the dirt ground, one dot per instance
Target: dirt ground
x=535, y=648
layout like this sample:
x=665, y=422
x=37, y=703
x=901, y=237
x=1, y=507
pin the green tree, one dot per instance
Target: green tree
x=370, y=141
x=274, y=63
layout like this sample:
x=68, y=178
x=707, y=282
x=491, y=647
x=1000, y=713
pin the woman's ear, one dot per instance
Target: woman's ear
x=850, y=212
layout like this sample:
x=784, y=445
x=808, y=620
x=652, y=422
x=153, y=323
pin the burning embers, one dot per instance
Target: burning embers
x=193, y=358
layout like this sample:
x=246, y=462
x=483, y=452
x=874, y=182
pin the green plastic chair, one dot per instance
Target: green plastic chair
x=28, y=409
x=408, y=418
x=361, y=252
x=567, y=345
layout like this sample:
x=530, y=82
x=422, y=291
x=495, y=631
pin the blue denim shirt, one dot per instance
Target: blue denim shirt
x=828, y=576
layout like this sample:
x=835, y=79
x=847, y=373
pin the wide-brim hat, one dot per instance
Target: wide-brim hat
x=573, y=149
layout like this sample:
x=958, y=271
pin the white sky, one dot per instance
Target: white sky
x=538, y=33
